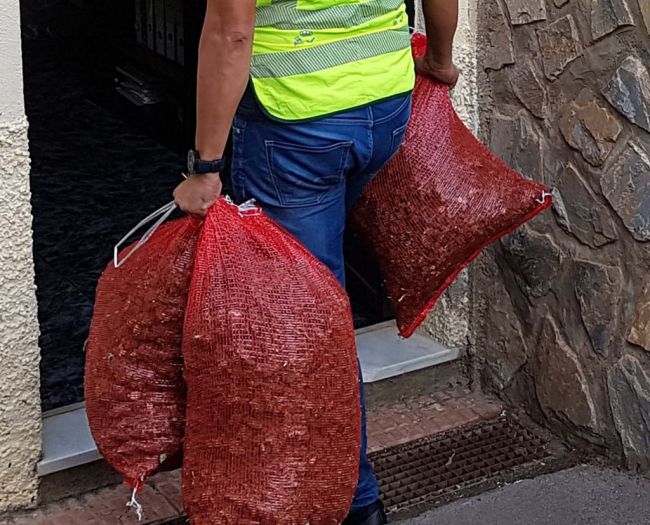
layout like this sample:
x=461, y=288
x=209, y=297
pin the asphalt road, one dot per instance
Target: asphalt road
x=584, y=495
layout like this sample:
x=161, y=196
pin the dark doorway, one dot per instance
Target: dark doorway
x=109, y=92
x=106, y=138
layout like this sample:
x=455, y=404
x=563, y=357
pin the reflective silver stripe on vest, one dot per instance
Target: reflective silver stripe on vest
x=318, y=58
x=286, y=15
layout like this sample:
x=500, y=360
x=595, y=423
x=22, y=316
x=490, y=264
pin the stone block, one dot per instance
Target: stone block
x=561, y=383
x=589, y=127
x=645, y=13
x=499, y=39
x=534, y=258
x=640, y=330
x=559, y=208
x=529, y=88
x=629, y=91
x=629, y=395
x=579, y=213
x=599, y=289
x=518, y=142
x=560, y=45
x=504, y=349
x=609, y=15
x=627, y=187
x=526, y=11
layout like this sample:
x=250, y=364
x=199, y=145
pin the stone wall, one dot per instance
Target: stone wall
x=562, y=307
x=20, y=412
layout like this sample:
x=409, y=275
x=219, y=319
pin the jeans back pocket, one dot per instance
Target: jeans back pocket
x=304, y=174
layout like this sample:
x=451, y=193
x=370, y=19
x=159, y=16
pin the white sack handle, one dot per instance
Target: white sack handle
x=161, y=215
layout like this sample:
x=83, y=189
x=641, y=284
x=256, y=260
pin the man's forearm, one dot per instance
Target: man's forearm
x=441, y=20
x=223, y=69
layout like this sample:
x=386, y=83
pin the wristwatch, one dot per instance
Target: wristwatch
x=197, y=165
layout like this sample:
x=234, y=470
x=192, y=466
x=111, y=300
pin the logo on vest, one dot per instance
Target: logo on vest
x=304, y=37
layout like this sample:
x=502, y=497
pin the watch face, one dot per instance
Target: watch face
x=191, y=159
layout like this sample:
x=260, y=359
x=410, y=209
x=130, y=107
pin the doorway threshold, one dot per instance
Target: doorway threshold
x=384, y=354
x=68, y=443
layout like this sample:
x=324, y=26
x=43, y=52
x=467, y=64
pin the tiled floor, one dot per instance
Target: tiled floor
x=161, y=499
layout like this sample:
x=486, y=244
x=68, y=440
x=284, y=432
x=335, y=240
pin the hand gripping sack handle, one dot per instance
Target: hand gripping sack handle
x=273, y=421
x=441, y=200
x=134, y=389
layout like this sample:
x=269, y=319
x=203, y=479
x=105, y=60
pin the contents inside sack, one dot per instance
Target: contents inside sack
x=134, y=389
x=273, y=421
x=441, y=200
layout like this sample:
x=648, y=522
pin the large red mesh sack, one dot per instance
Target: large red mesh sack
x=134, y=389
x=273, y=421
x=437, y=204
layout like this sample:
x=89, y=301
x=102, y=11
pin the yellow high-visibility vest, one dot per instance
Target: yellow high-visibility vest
x=312, y=58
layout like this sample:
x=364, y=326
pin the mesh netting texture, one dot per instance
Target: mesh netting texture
x=437, y=204
x=134, y=389
x=273, y=421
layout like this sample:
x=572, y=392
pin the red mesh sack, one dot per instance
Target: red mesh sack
x=437, y=204
x=273, y=421
x=134, y=389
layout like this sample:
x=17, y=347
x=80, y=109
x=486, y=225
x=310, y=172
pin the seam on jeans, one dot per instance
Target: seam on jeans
x=371, y=148
x=401, y=107
x=398, y=131
x=268, y=151
x=341, y=120
x=239, y=121
x=238, y=171
x=321, y=149
x=344, y=161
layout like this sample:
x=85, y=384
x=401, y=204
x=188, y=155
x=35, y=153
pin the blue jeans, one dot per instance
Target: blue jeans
x=307, y=176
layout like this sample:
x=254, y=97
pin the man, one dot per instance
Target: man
x=318, y=94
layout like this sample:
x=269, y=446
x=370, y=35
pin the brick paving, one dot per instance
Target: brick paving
x=411, y=419
x=388, y=425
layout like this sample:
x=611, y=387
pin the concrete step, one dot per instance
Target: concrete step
x=396, y=369
x=389, y=424
x=391, y=367
x=384, y=354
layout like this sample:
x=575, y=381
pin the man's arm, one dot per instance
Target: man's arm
x=225, y=52
x=441, y=20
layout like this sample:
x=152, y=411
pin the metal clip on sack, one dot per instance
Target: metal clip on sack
x=245, y=208
x=160, y=216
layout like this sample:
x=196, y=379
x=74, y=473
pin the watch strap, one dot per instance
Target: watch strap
x=209, y=166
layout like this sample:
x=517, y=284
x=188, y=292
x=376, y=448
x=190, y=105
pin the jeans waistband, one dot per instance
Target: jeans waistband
x=374, y=113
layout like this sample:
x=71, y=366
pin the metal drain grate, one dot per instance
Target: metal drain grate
x=424, y=470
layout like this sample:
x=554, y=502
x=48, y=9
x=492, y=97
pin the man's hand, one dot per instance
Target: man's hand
x=445, y=73
x=441, y=19
x=198, y=193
